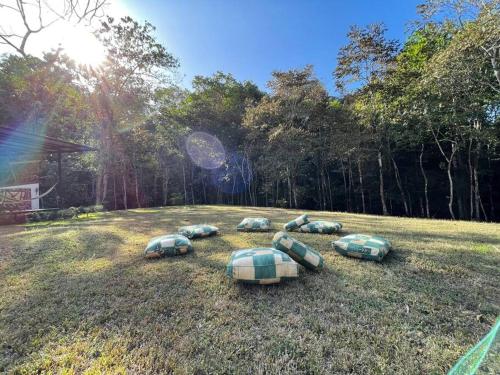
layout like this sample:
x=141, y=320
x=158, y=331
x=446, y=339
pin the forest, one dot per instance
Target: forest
x=412, y=130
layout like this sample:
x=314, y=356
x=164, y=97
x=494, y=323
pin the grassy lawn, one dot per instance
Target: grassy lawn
x=78, y=296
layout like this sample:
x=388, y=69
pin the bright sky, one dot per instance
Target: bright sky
x=249, y=39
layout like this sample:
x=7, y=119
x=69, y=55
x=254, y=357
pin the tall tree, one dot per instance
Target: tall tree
x=123, y=88
x=290, y=119
x=478, y=19
x=361, y=66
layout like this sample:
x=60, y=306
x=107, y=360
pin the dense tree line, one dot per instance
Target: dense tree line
x=414, y=130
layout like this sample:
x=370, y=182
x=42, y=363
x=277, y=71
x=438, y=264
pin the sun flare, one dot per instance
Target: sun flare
x=82, y=46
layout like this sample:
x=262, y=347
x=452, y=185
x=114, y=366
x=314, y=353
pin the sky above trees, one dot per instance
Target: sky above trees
x=248, y=39
x=251, y=39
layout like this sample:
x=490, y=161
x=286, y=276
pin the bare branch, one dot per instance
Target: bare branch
x=72, y=11
x=9, y=7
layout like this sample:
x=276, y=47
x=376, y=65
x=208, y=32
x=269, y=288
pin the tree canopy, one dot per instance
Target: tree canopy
x=413, y=130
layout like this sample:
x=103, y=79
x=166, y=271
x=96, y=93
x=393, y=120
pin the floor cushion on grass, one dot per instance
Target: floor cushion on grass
x=169, y=245
x=294, y=224
x=327, y=227
x=362, y=246
x=199, y=230
x=298, y=251
x=261, y=266
x=254, y=224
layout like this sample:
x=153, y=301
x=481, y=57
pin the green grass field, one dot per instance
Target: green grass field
x=77, y=296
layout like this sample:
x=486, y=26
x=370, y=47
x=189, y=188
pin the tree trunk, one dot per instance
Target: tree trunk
x=450, y=180
x=471, y=181
x=137, y=190
x=233, y=190
x=482, y=209
x=289, y=188
x=448, y=171
x=277, y=192
x=105, y=154
x=294, y=185
x=255, y=177
x=410, y=203
x=124, y=181
x=477, y=193
x=361, y=186
x=400, y=186
x=323, y=198
x=325, y=188
x=330, y=191
x=494, y=55
x=98, y=188
x=318, y=191
x=345, y=186
x=155, y=189
x=114, y=192
x=424, y=175
x=477, y=196
x=105, y=178
x=492, y=203
x=165, y=187
x=381, y=182
x=192, y=186
x=204, y=189
x=184, y=182
x=349, y=171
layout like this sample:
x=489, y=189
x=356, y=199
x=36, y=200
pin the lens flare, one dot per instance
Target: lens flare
x=15, y=166
x=205, y=150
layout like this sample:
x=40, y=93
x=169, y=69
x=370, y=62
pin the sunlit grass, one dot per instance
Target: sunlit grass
x=56, y=223
x=77, y=296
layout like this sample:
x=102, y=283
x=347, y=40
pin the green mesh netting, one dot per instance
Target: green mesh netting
x=483, y=358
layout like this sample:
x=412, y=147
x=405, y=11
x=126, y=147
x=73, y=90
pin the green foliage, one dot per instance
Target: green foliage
x=365, y=59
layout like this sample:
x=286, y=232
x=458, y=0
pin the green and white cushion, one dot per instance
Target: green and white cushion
x=254, y=224
x=294, y=224
x=327, y=227
x=298, y=251
x=199, y=230
x=169, y=245
x=363, y=246
x=261, y=266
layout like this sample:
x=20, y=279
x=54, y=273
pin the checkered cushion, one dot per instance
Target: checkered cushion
x=294, y=224
x=254, y=224
x=199, y=230
x=298, y=251
x=261, y=266
x=169, y=245
x=362, y=246
x=326, y=227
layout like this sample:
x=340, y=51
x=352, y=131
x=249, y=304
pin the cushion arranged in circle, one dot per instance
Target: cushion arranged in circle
x=362, y=246
x=294, y=224
x=168, y=245
x=298, y=251
x=199, y=230
x=254, y=224
x=321, y=226
x=261, y=266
